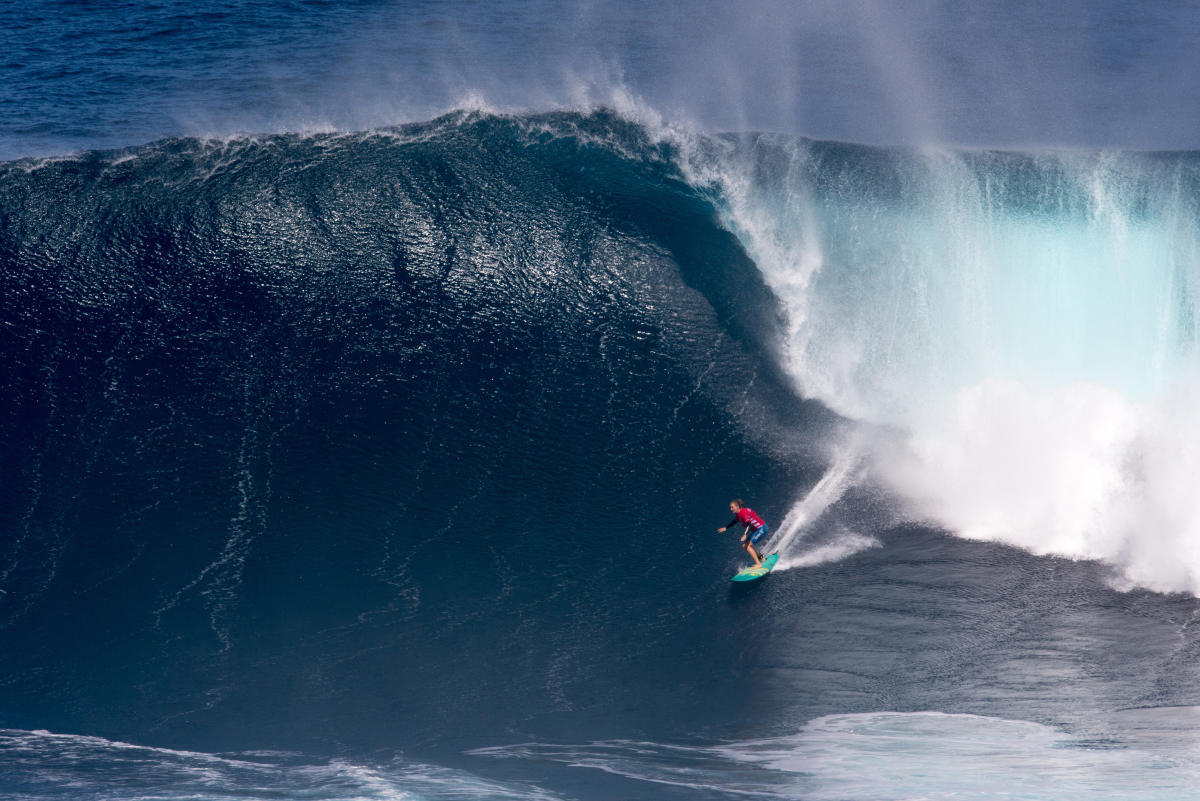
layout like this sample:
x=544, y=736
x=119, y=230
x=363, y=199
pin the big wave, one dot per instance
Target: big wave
x=297, y=413
x=266, y=396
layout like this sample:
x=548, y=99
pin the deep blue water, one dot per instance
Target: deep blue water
x=1096, y=73
x=357, y=450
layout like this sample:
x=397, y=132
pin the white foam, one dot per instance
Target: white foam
x=1080, y=472
x=845, y=544
x=894, y=756
x=50, y=765
x=1040, y=362
x=795, y=548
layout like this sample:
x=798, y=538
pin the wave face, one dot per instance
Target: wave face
x=1027, y=322
x=381, y=452
x=294, y=425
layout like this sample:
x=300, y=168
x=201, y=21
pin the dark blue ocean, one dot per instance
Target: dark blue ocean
x=374, y=377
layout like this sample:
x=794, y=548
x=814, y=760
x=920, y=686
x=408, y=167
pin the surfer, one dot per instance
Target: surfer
x=755, y=528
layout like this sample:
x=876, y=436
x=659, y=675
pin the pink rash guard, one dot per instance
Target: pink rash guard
x=747, y=518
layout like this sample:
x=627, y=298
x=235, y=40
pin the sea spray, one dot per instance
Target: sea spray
x=1026, y=322
x=796, y=550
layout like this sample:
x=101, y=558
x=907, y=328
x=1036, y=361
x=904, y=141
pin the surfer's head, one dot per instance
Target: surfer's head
x=735, y=504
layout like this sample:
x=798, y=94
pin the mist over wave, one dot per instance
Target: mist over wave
x=1019, y=329
x=1103, y=73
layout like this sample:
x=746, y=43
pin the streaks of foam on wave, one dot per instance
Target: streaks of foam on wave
x=892, y=756
x=36, y=529
x=942, y=756
x=36, y=765
x=20, y=543
x=698, y=769
x=220, y=578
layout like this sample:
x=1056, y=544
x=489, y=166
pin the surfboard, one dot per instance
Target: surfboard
x=752, y=573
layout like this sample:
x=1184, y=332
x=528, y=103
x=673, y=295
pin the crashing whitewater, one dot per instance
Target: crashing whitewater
x=1014, y=333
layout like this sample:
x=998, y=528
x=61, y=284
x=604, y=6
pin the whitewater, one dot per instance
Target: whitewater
x=374, y=377
x=1016, y=332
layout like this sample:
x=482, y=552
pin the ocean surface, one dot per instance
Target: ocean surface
x=374, y=378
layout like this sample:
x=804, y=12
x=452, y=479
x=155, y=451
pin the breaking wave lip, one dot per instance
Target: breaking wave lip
x=45, y=765
x=893, y=756
x=1013, y=333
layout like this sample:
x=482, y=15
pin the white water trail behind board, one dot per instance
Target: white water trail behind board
x=793, y=541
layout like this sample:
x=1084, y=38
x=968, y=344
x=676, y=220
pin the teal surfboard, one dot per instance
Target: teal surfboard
x=752, y=573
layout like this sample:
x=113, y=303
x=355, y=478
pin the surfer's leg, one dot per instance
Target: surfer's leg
x=752, y=544
x=753, y=554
